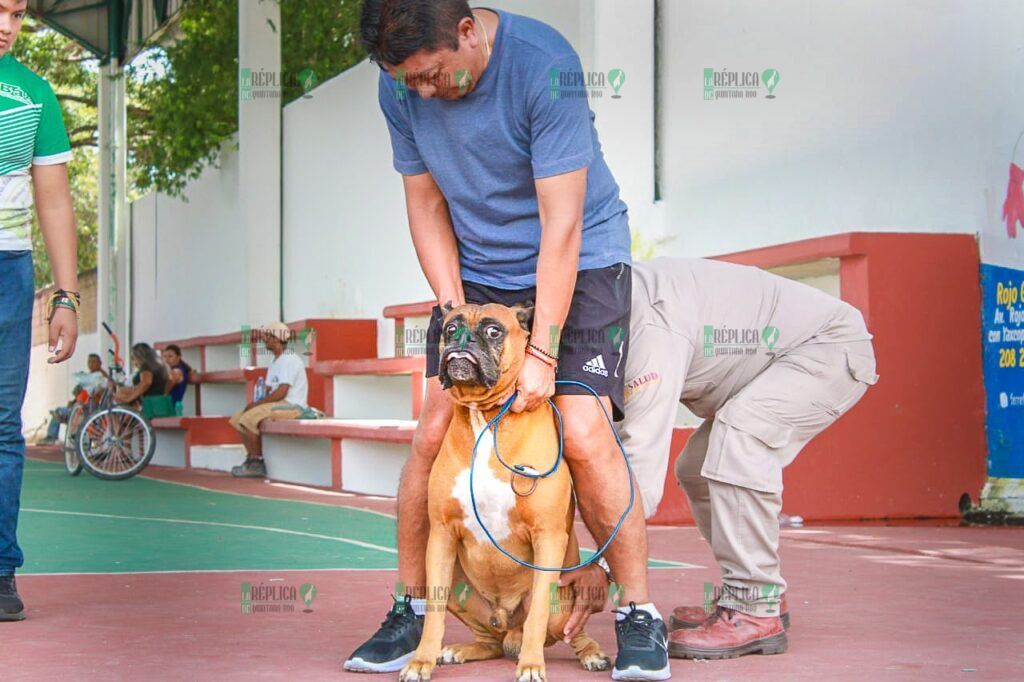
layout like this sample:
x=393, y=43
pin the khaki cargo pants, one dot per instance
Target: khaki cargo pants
x=731, y=468
x=249, y=421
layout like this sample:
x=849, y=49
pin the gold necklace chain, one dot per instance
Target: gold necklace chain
x=487, y=40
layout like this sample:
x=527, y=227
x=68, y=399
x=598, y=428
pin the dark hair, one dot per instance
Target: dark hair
x=392, y=30
x=149, y=361
x=173, y=347
x=97, y=356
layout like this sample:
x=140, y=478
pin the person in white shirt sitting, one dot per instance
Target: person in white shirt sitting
x=86, y=383
x=285, y=399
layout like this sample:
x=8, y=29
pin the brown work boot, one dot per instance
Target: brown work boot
x=729, y=634
x=689, y=617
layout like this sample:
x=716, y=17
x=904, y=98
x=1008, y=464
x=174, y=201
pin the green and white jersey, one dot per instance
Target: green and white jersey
x=31, y=133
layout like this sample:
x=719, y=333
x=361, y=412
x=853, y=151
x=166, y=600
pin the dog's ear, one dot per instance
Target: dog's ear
x=524, y=314
x=447, y=307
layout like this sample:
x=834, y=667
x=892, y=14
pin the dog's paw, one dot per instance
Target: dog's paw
x=451, y=654
x=463, y=653
x=416, y=670
x=513, y=643
x=530, y=672
x=595, y=662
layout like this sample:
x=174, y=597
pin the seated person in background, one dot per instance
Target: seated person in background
x=60, y=415
x=180, y=375
x=285, y=399
x=150, y=378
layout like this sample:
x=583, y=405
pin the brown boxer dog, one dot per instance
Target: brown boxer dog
x=510, y=609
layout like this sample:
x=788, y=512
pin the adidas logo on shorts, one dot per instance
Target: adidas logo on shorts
x=596, y=366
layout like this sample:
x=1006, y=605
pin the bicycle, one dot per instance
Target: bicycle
x=85, y=403
x=114, y=442
x=72, y=462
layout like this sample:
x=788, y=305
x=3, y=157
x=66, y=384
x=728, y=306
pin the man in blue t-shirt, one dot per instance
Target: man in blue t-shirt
x=509, y=199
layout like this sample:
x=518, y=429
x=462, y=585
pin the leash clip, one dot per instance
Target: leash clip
x=525, y=471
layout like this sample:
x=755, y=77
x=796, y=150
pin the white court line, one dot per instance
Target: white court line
x=318, y=536
x=250, y=496
x=215, y=570
x=674, y=564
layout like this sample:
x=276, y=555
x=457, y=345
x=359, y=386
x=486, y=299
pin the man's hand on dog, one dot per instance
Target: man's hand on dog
x=536, y=384
x=590, y=592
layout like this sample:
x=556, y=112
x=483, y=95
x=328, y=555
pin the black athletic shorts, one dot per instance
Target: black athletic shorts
x=595, y=338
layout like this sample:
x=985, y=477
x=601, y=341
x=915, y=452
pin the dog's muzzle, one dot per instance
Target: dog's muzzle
x=462, y=367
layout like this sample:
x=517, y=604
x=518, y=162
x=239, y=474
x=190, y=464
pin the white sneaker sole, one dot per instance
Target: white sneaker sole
x=636, y=673
x=358, y=665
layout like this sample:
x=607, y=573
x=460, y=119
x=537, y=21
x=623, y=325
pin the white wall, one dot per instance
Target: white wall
x=896, y=116
x=189, y=269
x=889, y=116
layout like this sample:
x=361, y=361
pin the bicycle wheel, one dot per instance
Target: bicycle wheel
x=72, y=462
x=116, y=443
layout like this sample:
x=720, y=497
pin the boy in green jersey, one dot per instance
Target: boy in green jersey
x=34, y=152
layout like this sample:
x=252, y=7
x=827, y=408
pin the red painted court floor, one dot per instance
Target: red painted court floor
x=868, y=602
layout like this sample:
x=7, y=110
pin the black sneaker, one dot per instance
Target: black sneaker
x=250, y=468
x=392, y=645
x=11, y=607
x=643, y=647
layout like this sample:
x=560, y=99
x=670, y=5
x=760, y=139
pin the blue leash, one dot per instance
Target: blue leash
x=520, y=470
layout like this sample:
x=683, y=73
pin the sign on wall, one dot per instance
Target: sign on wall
x=1003, y=366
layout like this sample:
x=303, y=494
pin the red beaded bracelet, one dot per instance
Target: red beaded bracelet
x=546, y=360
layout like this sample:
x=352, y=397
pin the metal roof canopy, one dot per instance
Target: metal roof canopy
x=117, y=29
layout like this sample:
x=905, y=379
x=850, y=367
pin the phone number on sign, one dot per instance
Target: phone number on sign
x=1011, y=357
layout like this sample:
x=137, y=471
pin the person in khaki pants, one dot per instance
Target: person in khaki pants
x=768, y=363
x=286, y=396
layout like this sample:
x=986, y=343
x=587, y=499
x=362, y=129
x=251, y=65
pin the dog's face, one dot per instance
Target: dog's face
x=482, y=349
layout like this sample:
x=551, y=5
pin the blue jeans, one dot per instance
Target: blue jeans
x=16, y=294
x=58, y=416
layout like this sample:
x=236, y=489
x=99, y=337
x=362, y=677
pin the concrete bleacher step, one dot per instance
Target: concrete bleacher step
x=356, y=455
x=170, y=446
x=226, y=391
x=374, y=388
x=178, y=439
x=216, y=457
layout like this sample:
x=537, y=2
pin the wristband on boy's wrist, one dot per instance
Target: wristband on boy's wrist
x=62, y=298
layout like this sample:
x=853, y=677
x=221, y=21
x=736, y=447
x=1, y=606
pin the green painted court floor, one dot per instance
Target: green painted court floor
x=85, y=525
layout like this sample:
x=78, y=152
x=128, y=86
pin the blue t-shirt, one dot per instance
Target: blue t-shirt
x=486, y=149
x=178, y=392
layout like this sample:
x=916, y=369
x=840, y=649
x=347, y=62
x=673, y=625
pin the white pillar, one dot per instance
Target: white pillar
x=113, y=268
x=259, y=141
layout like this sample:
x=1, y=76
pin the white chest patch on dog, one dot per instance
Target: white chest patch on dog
x=494, y=497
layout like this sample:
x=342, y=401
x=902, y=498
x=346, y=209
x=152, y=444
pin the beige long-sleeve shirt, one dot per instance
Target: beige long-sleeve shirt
x=700, y=330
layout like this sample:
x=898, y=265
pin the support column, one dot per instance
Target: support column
x=112, y=283
x=259, y=141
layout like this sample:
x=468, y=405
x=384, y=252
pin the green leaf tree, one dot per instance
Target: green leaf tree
x=182, y=95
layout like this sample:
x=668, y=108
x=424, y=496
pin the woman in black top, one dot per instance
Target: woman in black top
x=150, y=378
